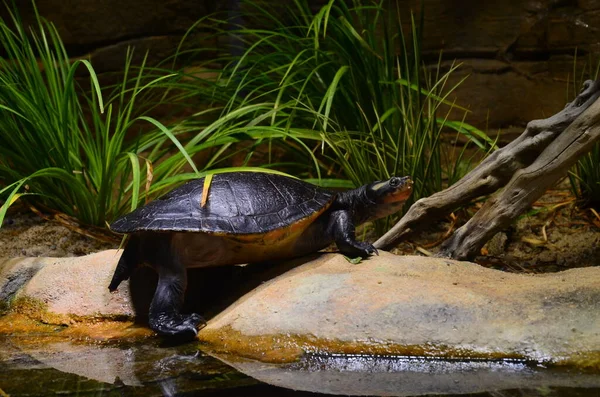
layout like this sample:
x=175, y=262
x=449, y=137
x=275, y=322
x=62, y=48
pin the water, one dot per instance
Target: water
x=43, y=366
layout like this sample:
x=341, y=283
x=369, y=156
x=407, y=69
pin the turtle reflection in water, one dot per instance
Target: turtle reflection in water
x=248, y=217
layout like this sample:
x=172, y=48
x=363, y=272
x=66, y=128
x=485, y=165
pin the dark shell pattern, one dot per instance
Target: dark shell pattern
x=238, y=203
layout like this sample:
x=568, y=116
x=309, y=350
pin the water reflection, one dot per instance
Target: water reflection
x=408, y=376
x=43, y=366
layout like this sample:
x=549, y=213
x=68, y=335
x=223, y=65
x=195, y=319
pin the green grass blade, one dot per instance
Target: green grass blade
x=172, y=137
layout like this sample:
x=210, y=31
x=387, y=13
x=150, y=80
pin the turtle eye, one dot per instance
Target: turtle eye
x=395, y=181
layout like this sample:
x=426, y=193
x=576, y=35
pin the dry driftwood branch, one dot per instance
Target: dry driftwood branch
x=540, y=156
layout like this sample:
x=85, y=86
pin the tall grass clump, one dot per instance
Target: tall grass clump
x=61, y=143
x=585, y=175
x=58, y=142
x=94, y=153
x=585, y=178
x=350, y=74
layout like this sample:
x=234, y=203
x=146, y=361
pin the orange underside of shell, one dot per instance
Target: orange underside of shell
x=218, y=249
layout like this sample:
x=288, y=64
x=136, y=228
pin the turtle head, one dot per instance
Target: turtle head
x=387, y=197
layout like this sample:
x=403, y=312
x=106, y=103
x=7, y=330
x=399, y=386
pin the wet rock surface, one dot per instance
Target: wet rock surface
x=404, y=376
x=389, y=325
x=386, y=305
x=34, y=366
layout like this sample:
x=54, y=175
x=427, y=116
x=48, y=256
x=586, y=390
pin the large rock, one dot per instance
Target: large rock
x=415, y=306
x=386, y=305
x=71, y=287
x=505, y=95
x=85, y=25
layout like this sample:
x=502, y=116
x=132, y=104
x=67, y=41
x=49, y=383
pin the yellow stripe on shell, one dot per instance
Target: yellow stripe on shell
x=205, y=189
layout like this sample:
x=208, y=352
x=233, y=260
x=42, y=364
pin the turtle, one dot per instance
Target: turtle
x=248, y=217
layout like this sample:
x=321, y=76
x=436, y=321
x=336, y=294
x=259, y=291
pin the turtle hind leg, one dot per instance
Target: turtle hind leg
x=177, y=326
x=165, y=317
x=127, y=263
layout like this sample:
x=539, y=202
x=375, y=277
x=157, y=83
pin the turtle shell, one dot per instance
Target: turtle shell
x=238, y=203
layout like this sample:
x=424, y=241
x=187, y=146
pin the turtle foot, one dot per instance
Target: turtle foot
x=358, y=248
x=181, y=326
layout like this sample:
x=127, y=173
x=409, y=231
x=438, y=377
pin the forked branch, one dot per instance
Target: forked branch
x=527, y=166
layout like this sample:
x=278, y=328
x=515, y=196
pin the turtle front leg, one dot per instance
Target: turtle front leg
x=127, y=263
x=343, y=231
x=165, y=310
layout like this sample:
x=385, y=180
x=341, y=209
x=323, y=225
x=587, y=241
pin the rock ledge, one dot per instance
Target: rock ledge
x=415, y=306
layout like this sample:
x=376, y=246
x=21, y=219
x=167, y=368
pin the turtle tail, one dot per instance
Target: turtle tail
x=127, y=263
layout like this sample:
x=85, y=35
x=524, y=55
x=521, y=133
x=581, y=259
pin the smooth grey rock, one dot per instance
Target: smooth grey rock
x=387, y=304
x=74, y=286
x=398, y=304
x=14, y=274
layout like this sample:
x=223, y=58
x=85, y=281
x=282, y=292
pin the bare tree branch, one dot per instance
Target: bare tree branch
x=540, y=156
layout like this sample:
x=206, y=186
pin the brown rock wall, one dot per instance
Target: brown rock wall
x=92, y=24
x=519, y=55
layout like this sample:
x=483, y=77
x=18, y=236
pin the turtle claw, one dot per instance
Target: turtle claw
x=177, y=325
x=358, y=248
x=370, y=249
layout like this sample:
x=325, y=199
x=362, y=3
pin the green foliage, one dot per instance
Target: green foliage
x=339, y=97
x=585, y=175
x=351, y=75
x=585, y=178
x=95, y=158
x=65, y=146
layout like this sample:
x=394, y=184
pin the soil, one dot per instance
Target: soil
x=555, y=235
x=25, y=233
